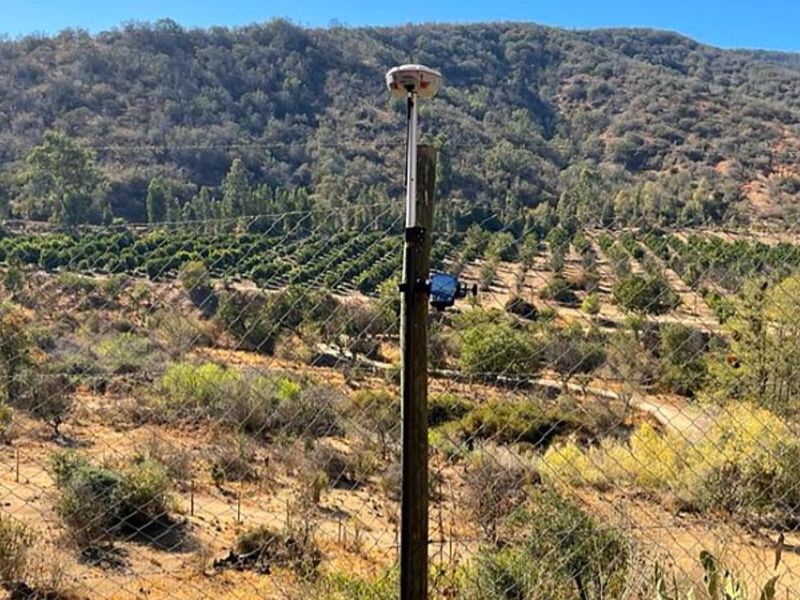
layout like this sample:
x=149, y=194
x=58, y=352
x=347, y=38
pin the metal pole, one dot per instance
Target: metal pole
x=414, y=374
x=411, y=162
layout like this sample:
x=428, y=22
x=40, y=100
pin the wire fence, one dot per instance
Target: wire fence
x=211, y=409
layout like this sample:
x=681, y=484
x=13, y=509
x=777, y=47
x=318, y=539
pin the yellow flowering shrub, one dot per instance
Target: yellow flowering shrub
x=749, y=459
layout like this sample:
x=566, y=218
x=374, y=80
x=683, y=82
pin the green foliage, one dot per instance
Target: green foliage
x=447, y=407
x=591, y=304
x=513, y=420
x=15, y=542
x=502, y=246
x=99, y=503
x=571, y=350
x=591, y=560
x=559, y=290
x=719, y=583
x=196, y=281
x=682, y=358
x=746, y=464
x=378, y=411
x=564, y=131
x=257, y=320
x=156, y=202
x=125, y=353
x=61, y=178
x=645, y=294
x=247, y=401
x=497, y=348
x=758, y=363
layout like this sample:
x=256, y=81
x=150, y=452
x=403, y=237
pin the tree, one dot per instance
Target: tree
x=236, y=190
x=498, y=348
x=378, y=411
x=15, y=346
x=62, y=178
x=157, y=198
x=760, y=363
x=682, y=358
x=645, y=294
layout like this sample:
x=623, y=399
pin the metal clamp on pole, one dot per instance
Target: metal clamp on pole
x=422, y=286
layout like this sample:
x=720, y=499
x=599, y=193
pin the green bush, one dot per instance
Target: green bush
x=195, y=280
x=560, y=290
x=682, y=358
x=498, y=348
x=15, y=543
x=591, y=304
x=509, y=421
x=571, y=350
x=559, y=552
x=379, y=413
x=446, y=407
x=126, y=353
x=247, y=401
x=99, y=503
x=645, y=294
x=747, y=464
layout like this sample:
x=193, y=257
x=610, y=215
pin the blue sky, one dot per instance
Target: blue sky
x=771, y=24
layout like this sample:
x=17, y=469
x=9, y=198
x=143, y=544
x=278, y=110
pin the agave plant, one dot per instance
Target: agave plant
x=719, y=583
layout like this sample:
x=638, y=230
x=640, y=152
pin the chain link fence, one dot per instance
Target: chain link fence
x=211, y=409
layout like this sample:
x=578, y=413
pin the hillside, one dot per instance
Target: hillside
x=621, y=125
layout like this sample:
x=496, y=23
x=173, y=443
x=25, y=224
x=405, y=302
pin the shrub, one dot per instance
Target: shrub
x=125, y=353
x=494, y=488
x=178, y=334
x=6, y=423
x=342, y=586
x=378, y=411
x=498, y=348
x=571, y=350
x=509, y=421
x=45, y=395
x=310, y=413
x=15, y=542
x=560, y=290
x=99, y=502
x=521, y=308
x=591, y=304
x=195, y=280
x=188, y=389
x=233, y=459
x=746, y=463
x=501, y=246
x=290, y=548
x=681, y=357
x=446, y=407
x=559, y=552
x=653, y=295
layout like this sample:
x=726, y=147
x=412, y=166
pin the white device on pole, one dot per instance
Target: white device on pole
x=412, y=82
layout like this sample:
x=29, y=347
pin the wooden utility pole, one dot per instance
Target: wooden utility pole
x=414, y=385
